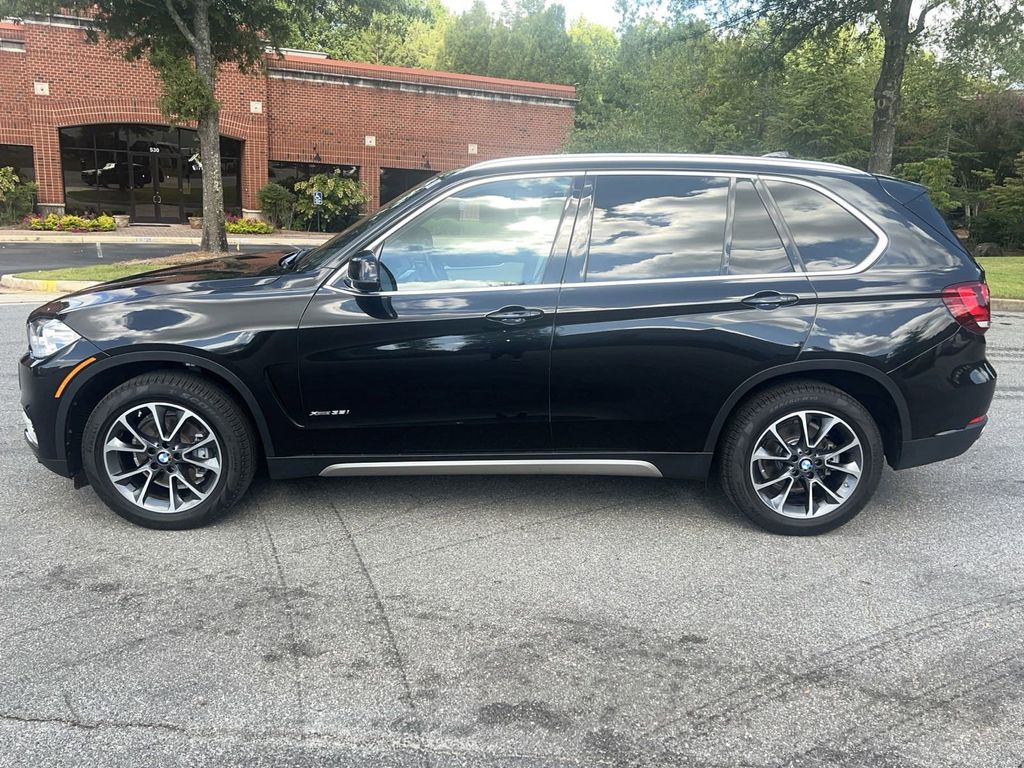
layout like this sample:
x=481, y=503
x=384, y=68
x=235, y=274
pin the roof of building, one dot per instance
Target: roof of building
x=294, y=60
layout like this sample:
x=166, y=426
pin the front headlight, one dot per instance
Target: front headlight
x=47, y=336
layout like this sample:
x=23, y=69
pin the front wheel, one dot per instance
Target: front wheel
x=168, y=450
x=801, y=458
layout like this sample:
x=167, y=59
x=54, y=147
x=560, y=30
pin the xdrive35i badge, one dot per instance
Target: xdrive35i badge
x=330, y=413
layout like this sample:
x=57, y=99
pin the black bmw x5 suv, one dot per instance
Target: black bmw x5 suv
x=794, y=325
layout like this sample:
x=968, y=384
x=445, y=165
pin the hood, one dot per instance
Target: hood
x=218, y=275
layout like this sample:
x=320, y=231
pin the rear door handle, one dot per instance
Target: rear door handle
x=770, y=300
x=514, y=315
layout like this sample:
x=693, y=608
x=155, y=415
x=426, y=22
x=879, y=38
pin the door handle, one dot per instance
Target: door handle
x=514, y=315
x=770, y=300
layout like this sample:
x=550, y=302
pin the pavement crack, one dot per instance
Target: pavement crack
x=397, y=660
x=289, y=612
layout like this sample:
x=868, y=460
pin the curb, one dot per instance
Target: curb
x=44, y=286
x=1008, y=305
x=88, y=239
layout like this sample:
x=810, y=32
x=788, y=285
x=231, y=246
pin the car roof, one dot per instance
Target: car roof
x=641, y=161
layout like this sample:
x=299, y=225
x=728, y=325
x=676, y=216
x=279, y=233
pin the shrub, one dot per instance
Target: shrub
x=1001, y=218
x=17, y=197
x=343, y=201
x=277, y=204
x=236, y=226
x=70, y=223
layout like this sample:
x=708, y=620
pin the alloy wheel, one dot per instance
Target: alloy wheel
x=806, y=464
x=162, y=457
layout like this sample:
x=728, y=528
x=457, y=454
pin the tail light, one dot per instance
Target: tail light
x=969, y=305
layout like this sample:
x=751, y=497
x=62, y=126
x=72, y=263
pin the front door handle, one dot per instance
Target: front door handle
x=514, y=315
x=770, y=300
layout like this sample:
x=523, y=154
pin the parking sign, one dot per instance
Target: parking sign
x=318, y=198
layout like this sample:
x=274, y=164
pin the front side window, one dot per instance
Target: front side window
x=756, y=248
x=494, y=234
x=827, y=235
x=657, y=226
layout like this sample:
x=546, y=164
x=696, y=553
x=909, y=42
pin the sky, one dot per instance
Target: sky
x=598, y=11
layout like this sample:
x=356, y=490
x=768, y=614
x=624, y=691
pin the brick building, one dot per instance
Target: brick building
x=84, y=124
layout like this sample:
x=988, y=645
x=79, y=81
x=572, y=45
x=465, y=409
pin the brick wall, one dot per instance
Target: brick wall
x=305, y=107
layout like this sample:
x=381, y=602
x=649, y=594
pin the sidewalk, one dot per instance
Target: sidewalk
x=173, y=234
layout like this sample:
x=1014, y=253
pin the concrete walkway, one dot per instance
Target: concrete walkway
x=172, y=234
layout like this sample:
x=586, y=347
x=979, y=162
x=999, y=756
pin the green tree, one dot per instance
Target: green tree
x=467, y=41
x=1001, y=215
x=901, y=25
x=824, y=104
x=187, y=41
x=935, y=173
x=411, y=35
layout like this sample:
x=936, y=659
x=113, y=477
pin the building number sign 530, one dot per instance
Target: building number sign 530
x=154, y=149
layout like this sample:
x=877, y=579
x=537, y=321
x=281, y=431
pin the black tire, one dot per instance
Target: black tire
x=223, y=415
x=761, y=411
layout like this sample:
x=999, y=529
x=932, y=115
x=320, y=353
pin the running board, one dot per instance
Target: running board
x=619, y=467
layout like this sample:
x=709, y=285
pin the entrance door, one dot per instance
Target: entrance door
x=156, y=186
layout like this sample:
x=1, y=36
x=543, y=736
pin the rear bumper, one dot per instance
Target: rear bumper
x=915, y=453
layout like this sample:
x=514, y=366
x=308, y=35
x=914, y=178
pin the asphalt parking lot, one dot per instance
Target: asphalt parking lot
x=509, y=622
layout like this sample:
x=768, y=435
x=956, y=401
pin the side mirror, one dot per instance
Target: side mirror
x=364, y=272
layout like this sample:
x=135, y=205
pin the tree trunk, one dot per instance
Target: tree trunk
x=214, y=238
x=889, y=86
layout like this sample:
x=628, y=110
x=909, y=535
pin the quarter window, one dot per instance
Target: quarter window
x=756, y=247
x=650, y=226
x=827, y=235
x=494, y=234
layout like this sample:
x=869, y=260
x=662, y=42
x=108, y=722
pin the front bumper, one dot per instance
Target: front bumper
x=46, y=428
x=915, y=453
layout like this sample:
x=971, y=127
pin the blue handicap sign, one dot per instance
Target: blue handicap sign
x=318, y=198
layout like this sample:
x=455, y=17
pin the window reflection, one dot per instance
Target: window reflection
x=493, y=234
x=756, y=246
x=827, y=235
x=652, y=226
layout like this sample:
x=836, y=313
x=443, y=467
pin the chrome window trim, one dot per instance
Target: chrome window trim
x=882, y=240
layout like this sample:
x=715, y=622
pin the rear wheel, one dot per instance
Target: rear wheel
x=168, y=450
x=801, y=458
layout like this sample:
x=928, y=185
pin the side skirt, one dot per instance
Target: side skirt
x=684, y=466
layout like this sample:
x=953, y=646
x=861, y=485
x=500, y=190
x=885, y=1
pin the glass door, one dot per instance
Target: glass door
x=156, y=186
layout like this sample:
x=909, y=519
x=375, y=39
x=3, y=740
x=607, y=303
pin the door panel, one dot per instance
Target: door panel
x=426, y=374
x=655, y=329
x=454, y=357
x=647, y=367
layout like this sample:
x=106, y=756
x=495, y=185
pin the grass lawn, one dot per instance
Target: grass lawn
x=102, y=272
x=1005, y=275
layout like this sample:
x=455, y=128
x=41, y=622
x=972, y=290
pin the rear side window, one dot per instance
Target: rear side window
x=827, y=235
x=648, y=227
x=756, y=247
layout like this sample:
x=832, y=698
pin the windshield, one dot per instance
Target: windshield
x=322, y=254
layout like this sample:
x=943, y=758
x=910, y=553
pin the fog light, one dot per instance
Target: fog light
x=30, y=431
